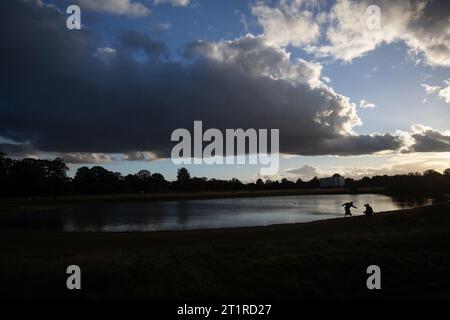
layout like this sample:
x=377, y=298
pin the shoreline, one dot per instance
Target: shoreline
x=322, y=259
x=242, y=229
x=15, y=205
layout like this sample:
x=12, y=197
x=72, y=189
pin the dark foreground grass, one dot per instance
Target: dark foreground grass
x=326, y=259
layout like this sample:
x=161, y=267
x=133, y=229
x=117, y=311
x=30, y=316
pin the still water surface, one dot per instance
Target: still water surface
x=202, y=214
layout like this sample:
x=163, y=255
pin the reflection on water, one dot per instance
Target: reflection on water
x=203, y=214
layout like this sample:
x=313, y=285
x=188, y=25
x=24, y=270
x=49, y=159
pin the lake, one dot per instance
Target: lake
x=202, y=214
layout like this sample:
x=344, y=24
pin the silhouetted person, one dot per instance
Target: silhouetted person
x=347, y=207
x=369, y=210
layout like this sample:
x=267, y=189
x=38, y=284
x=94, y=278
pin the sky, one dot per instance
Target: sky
x=353, y=89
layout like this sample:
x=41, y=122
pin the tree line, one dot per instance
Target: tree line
x=429, y=182
x=35, y=177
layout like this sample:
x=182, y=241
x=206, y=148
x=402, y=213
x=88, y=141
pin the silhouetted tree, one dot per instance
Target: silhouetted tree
x=183, y=175
x=132, y=184
x=56, y=172
x=158, y=182
x=336, y=175
x=431, y=173
x=286, y=184
x=183, y=179
x=447, y=172
x=144, y=175
x=96, y=180
x=259, y=183
x=314, y=183
x=236, y=184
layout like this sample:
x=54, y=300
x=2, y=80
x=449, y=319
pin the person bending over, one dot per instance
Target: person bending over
x=347, y=207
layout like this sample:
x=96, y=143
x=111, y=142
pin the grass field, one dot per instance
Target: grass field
x=324, y=259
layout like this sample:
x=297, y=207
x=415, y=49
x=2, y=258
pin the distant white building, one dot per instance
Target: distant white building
x=336, y=181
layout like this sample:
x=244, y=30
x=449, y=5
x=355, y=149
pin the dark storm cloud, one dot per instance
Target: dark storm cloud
x=348, y=145
x=86, y=157
x=431, y=141
x=131, y=40
x=63, y=92
x=431, y=29
x=16, y=149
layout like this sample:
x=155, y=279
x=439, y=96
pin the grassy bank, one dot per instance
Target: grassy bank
x=45, y=203
x=325, y=259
